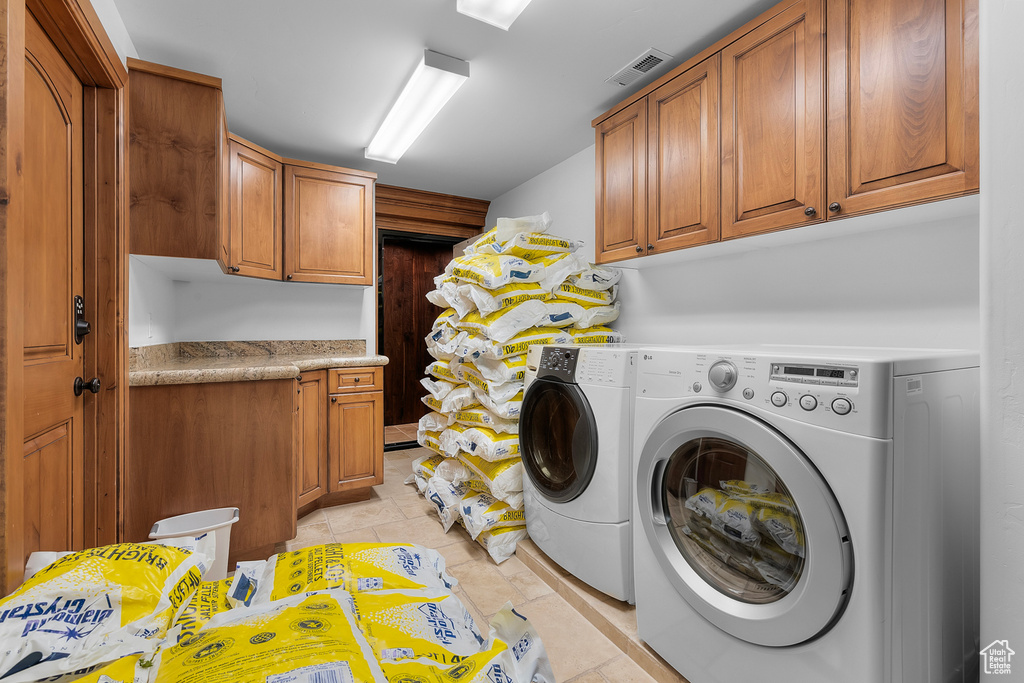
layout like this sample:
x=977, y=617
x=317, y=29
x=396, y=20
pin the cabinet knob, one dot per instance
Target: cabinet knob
x=289, y=276
x=334, y=399
x=234, y=269
x=650, y=247
x=835, y=207
x=355, y=379
x=639, y=249
x=81, y=385
x=810, y=211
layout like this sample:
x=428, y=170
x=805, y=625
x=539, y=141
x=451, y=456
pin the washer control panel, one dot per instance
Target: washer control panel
x=847, y=394
x=602, y=365
x=558, y=361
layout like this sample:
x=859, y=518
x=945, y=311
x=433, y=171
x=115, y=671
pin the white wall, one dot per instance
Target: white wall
x=905, y=278
x=106, y=10
x=1002, y=314
x=173, y=300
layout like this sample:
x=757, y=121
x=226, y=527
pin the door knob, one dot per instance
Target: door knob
x=92, y=385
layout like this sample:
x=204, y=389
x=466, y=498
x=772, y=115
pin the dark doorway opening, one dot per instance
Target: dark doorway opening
x=408, y=265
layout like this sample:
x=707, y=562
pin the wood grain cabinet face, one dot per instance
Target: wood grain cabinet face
x=255, y=242
x=177, y=160
x=621, y=210
x=773, y=127
x=684, y=161
x=311, y=437
x=356, y=448
x=328, y=226
x=902, y=100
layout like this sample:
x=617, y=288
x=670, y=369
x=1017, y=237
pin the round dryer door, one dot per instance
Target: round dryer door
x=557, y=439
x=744, y=526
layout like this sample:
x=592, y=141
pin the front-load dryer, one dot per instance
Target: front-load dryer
x=575, y=436
x=808, y=514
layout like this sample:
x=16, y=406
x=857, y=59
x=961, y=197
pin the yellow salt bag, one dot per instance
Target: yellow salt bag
x=504, y=478
x=98, y=605
x=478, y=416
x=533, y=245
x=209, y=599
x=597, y=335
x=482, y=512
x=505, y=323
x=494, y=271
x=301, y=639
x=482, y=442
x=353, y=567
x=130, y=669
x=488, y=301
x=432, y=624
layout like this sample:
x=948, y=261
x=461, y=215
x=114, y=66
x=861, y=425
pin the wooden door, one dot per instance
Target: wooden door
x=621, y=212
x=902, y=102
x=407, y=269
x=311, y=437
x=328, y=226
x=54, y=417
x=356, y=444
x=773, y=127
x=255, y=237
x=684, y=160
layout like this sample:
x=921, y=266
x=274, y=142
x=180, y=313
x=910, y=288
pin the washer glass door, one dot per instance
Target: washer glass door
x=557, y=439
x=744, y=526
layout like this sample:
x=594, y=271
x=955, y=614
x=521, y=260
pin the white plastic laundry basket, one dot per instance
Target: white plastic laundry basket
x=218, y=521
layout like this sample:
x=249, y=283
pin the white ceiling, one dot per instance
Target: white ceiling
x=312, y=79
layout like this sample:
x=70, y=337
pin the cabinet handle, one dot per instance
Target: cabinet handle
x=835, y=207
x=355, y=379
x=289, y=276
x=334, y=399
x=639, y=249
x=234, y=269
x=650, y=247
x=810, y=211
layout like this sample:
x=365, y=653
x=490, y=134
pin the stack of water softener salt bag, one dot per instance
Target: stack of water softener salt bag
x=516, y=286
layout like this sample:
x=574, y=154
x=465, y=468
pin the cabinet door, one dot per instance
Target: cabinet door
x=684, y=163
x=255, y=238
x=356, y=447
x=622, y=184
x=311, y=437
x=903, y=102
x=773, y=124
x=328, y=226
x=177, y=154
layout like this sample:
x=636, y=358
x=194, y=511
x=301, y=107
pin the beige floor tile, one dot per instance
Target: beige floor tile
x=481, y=622
x=423, y=530
x=345, y=518
x=393, y=434
x=311, y=534
x=462, y=551
x=589, y=677
x=397, y=458
x=625, y=670
x=314, y=517
x=527, y=583
x=485, y=586
x=415, y=506
x=574, y=646
x=513, y=565
x=366, y=535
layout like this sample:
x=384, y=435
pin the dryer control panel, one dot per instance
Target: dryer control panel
x=559, y=362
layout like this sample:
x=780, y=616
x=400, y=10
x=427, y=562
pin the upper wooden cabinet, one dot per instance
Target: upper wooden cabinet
x=684, y=162
x=881, y=114
x=328, y=224
x=773, y=124
x=178, y=163
x=902, y=102
x=253, y=245
x=622, y=183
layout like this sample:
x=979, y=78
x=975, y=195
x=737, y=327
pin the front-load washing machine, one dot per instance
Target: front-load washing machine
x=808, y=514
x=575, y=436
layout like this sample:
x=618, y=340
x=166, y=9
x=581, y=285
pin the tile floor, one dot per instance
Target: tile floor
x=400, y=433
x=590, y=638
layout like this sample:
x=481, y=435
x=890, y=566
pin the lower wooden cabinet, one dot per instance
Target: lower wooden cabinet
x=311, y=437
x=356, y=444
x=339, y=436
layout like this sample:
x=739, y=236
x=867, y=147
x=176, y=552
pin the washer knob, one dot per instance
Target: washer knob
x=779, y=399
x=841, y=406
x=722, y=375
x=808, y=402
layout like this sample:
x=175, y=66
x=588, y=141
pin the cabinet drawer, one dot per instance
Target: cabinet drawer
x=347, y=380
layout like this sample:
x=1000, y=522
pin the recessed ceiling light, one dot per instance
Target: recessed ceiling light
x=500, y=13
x=437, y=77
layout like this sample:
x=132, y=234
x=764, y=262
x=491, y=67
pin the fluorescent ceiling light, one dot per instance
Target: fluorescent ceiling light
x=433, y=83
x=500, y=13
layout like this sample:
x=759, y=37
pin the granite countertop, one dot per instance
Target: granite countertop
x=200, y=362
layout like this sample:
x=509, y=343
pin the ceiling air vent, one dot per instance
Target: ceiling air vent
x=650, y=61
